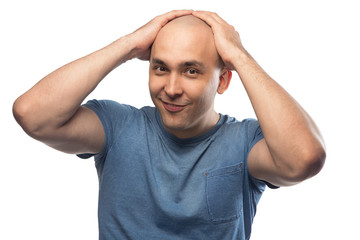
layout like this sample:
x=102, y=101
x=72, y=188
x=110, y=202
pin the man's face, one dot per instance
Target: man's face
x=184, y=76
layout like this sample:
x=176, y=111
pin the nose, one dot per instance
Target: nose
x=173, y=86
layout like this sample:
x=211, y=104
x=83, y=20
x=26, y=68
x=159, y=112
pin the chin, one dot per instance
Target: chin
x=173, y=124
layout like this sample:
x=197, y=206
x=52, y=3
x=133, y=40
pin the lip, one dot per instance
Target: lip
x=173, y=108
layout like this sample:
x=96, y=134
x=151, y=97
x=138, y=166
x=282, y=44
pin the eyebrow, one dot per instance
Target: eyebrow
x=192, y=63
x=157, y=61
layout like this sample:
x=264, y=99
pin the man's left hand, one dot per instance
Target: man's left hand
x=227, y=39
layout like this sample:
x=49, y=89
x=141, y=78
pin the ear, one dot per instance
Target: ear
x=224, y=81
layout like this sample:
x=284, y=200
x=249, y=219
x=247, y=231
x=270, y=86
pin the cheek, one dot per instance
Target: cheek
x=154, y=86
x=204, y=94
x=210, y=89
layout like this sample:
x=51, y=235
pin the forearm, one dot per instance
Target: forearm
x=53, y=101
x=290, y=133
x=55, y=98
x=293, y=149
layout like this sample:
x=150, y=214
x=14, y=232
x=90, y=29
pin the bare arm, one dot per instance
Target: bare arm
x=293, y=149
x=51, y=111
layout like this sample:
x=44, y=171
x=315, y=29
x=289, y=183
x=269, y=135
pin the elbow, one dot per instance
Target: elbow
x=309, y=165
x=24, y=116
x=19, y=111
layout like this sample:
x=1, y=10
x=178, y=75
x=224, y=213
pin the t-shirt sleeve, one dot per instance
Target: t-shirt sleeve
x=113, y=117
x=255, y=134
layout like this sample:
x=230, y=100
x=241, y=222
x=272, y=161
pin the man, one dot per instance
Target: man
x=180, y=170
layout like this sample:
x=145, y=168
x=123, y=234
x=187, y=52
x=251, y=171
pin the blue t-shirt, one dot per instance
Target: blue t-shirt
x=154, y=185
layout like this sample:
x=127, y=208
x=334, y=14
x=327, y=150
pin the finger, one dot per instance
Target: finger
x=205, y=16
x=177, y=13
x=209, y=17
x=207, y=13
x=166, y=17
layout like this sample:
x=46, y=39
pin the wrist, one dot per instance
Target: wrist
x=242, y=59
x=120, y=50
x=139, y=45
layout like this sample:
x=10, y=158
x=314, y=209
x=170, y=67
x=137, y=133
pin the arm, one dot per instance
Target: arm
x=292, y=149
x=51, y=111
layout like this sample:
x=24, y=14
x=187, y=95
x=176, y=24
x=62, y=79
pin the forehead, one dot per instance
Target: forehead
x=183, y=39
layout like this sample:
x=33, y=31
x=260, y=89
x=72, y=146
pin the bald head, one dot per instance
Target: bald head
x=189, y=20
x=187, y=34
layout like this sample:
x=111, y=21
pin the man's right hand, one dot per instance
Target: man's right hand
x=51, y=111
x=144, y=37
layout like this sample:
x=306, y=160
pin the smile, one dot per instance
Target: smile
x=173, y=108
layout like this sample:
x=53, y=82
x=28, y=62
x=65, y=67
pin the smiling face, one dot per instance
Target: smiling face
x=184, y=76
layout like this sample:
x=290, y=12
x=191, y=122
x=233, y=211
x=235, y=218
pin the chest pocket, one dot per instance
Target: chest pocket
x=224, y=193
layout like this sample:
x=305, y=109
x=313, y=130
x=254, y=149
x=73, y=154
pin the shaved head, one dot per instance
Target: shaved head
x=185, y=75
x=189, y=20
x=191, y=31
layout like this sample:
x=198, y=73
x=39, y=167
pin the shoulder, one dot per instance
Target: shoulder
x=248, y=128
x=240, y=135
x=244, y=123
x=112, y=110
x=116, y=117
x=108, y=105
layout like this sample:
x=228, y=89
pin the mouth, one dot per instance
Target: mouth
x=173, y=108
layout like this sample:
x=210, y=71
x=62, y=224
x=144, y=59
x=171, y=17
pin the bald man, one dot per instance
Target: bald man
x=178, y=170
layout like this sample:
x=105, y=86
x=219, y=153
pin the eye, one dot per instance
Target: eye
x=159, y=70
x=191, y=72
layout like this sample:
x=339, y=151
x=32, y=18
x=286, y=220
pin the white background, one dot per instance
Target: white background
x=310, y=47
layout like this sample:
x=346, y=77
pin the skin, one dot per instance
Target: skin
x=184, y=77
x=51, y=111
x=184, y=80
x=293, y=149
